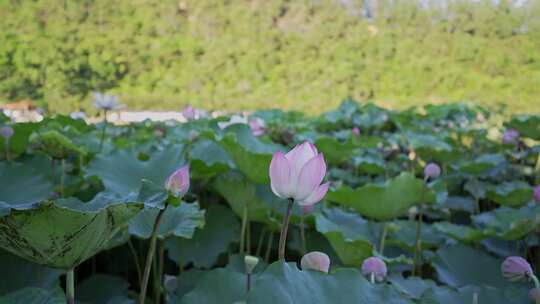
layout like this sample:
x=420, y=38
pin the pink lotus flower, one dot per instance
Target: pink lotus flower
x=188, y=112
x=315, y=260
x=356, y=131
x=298, y=174
x=432, y=170
x=516, y=268
x=257, y=126
x=510, y=136
x=375, y=268
x=537, y=193
x=178, y=182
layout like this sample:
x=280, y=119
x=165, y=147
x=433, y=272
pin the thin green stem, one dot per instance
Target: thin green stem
x=418, y=242
x=243, y=230
x=248, y=237
x=135, y=260
x=248, y=282
x=383, y=238
x=161, y=260
x=372, y=278
x=103, y=131
x=260, y=242
x=537, y=169
x=537, y=287
x=150, y=257
x=70, y=286
x=62, y=176
x=303, y=234
x=6, y=146
x=269, y=247
x=284, y=229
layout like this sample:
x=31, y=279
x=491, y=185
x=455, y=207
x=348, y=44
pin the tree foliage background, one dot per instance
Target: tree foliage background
x=295, y=54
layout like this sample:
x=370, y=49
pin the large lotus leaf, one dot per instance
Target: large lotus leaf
x=34, y=295
x=18, y=273
x=178, y=221
x=64, y=233
x=351, y=236
x=370, y=164
x=430, y=147
x=221, y=229
x=122, y=171
x=412, y=286
x=22, y=186
x=208, y=159
x=55, y=144
x=459, y=265
x=482, y=163
x=527, y=125
x=403, y=235
x=251, y=155
x=101, y=288
x=222, y=285
x=461, y=233
x=384, y=202
x=285, y=283
x=177, y=288
x=19, y=141
x=483, y=294
x=336, y=152
x=512, y=194
x=509, y=223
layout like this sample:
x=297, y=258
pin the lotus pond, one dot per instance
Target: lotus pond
x=358, y=205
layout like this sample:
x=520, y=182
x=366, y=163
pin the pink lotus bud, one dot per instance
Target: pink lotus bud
x=516, y=268
x=450, y=125
x=307, y=208
x=510, y=136
x=375, y=268
x=298, y=174
x=6, y=132
x=356, y=131
x=178, y=182
x=188, y=112
x=537, y=193
x=257, y=126
x=432, y=170
x=315, y=260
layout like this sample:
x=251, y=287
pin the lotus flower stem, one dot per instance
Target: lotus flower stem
x=136, y=260
x=159, y=278
x=62, y=176
x=150, y=257
x=260, y=242
x=537, y=169
x=103, y=131
x=303, y=235
x=248, y=237
x=536, y=286
x=475, y=298
x=383, y=238
x=418, y=243
x=269, y=247
x=6, y=146
x=372, y=277
x=243, y=230
x=248, y=282
x=284, y=229
x=70, y=286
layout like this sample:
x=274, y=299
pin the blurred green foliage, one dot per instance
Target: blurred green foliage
x=304, y=55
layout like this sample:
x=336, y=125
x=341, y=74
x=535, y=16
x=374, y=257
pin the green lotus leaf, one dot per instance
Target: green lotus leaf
x=484, y=294
x=509, y=223
x=178, y=221
x=123, y=172
x=34, y=295
x=250, y=155
x=55, y=145
x=482, y=163
x=221, y=285
x=527, y=125
x=348, y=233
x=19, y=141
x=336, y=152
x=208, y=159
x=462, y=233
x=370, y=164
x=65, y=232
x=403, y=235
x=512, y=194
x=430, y=147
x=384, y=202
x=101, y=288
x=221, y=229
x=414, y=287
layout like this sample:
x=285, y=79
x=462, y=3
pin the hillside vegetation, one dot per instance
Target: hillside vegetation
x=303, y=55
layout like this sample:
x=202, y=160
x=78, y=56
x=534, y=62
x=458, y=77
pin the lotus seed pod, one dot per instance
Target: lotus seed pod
x=432, y=170
x=374, y=267
x=178, y=182
x=6, y=132
x=251, y=262
x=315, y=260
x=516, y=268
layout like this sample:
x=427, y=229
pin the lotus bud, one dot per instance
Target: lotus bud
x=178, y=182
x=250, y=262
x=516, y=268
x=356, y=131
x=6, y=132
x=298, y=174
x=188, y=112
x=432, y=170
x=374, y=268
x=257, y=126
x=315, y=260
x=510, y=136
x=537, y=193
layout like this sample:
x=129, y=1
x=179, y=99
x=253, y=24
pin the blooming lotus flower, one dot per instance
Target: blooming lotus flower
x=375, y=268
x=510, y=136
x=235, y=119
x=178, y=182
x=315, y=260
x=298, y=174
x=188, y=112
x=107, y=102
x=257, y=126
x=356, y=131
x=78, y=115
x=537, y=193
x=6, y=132
x=432, y=170
x=516, y=268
